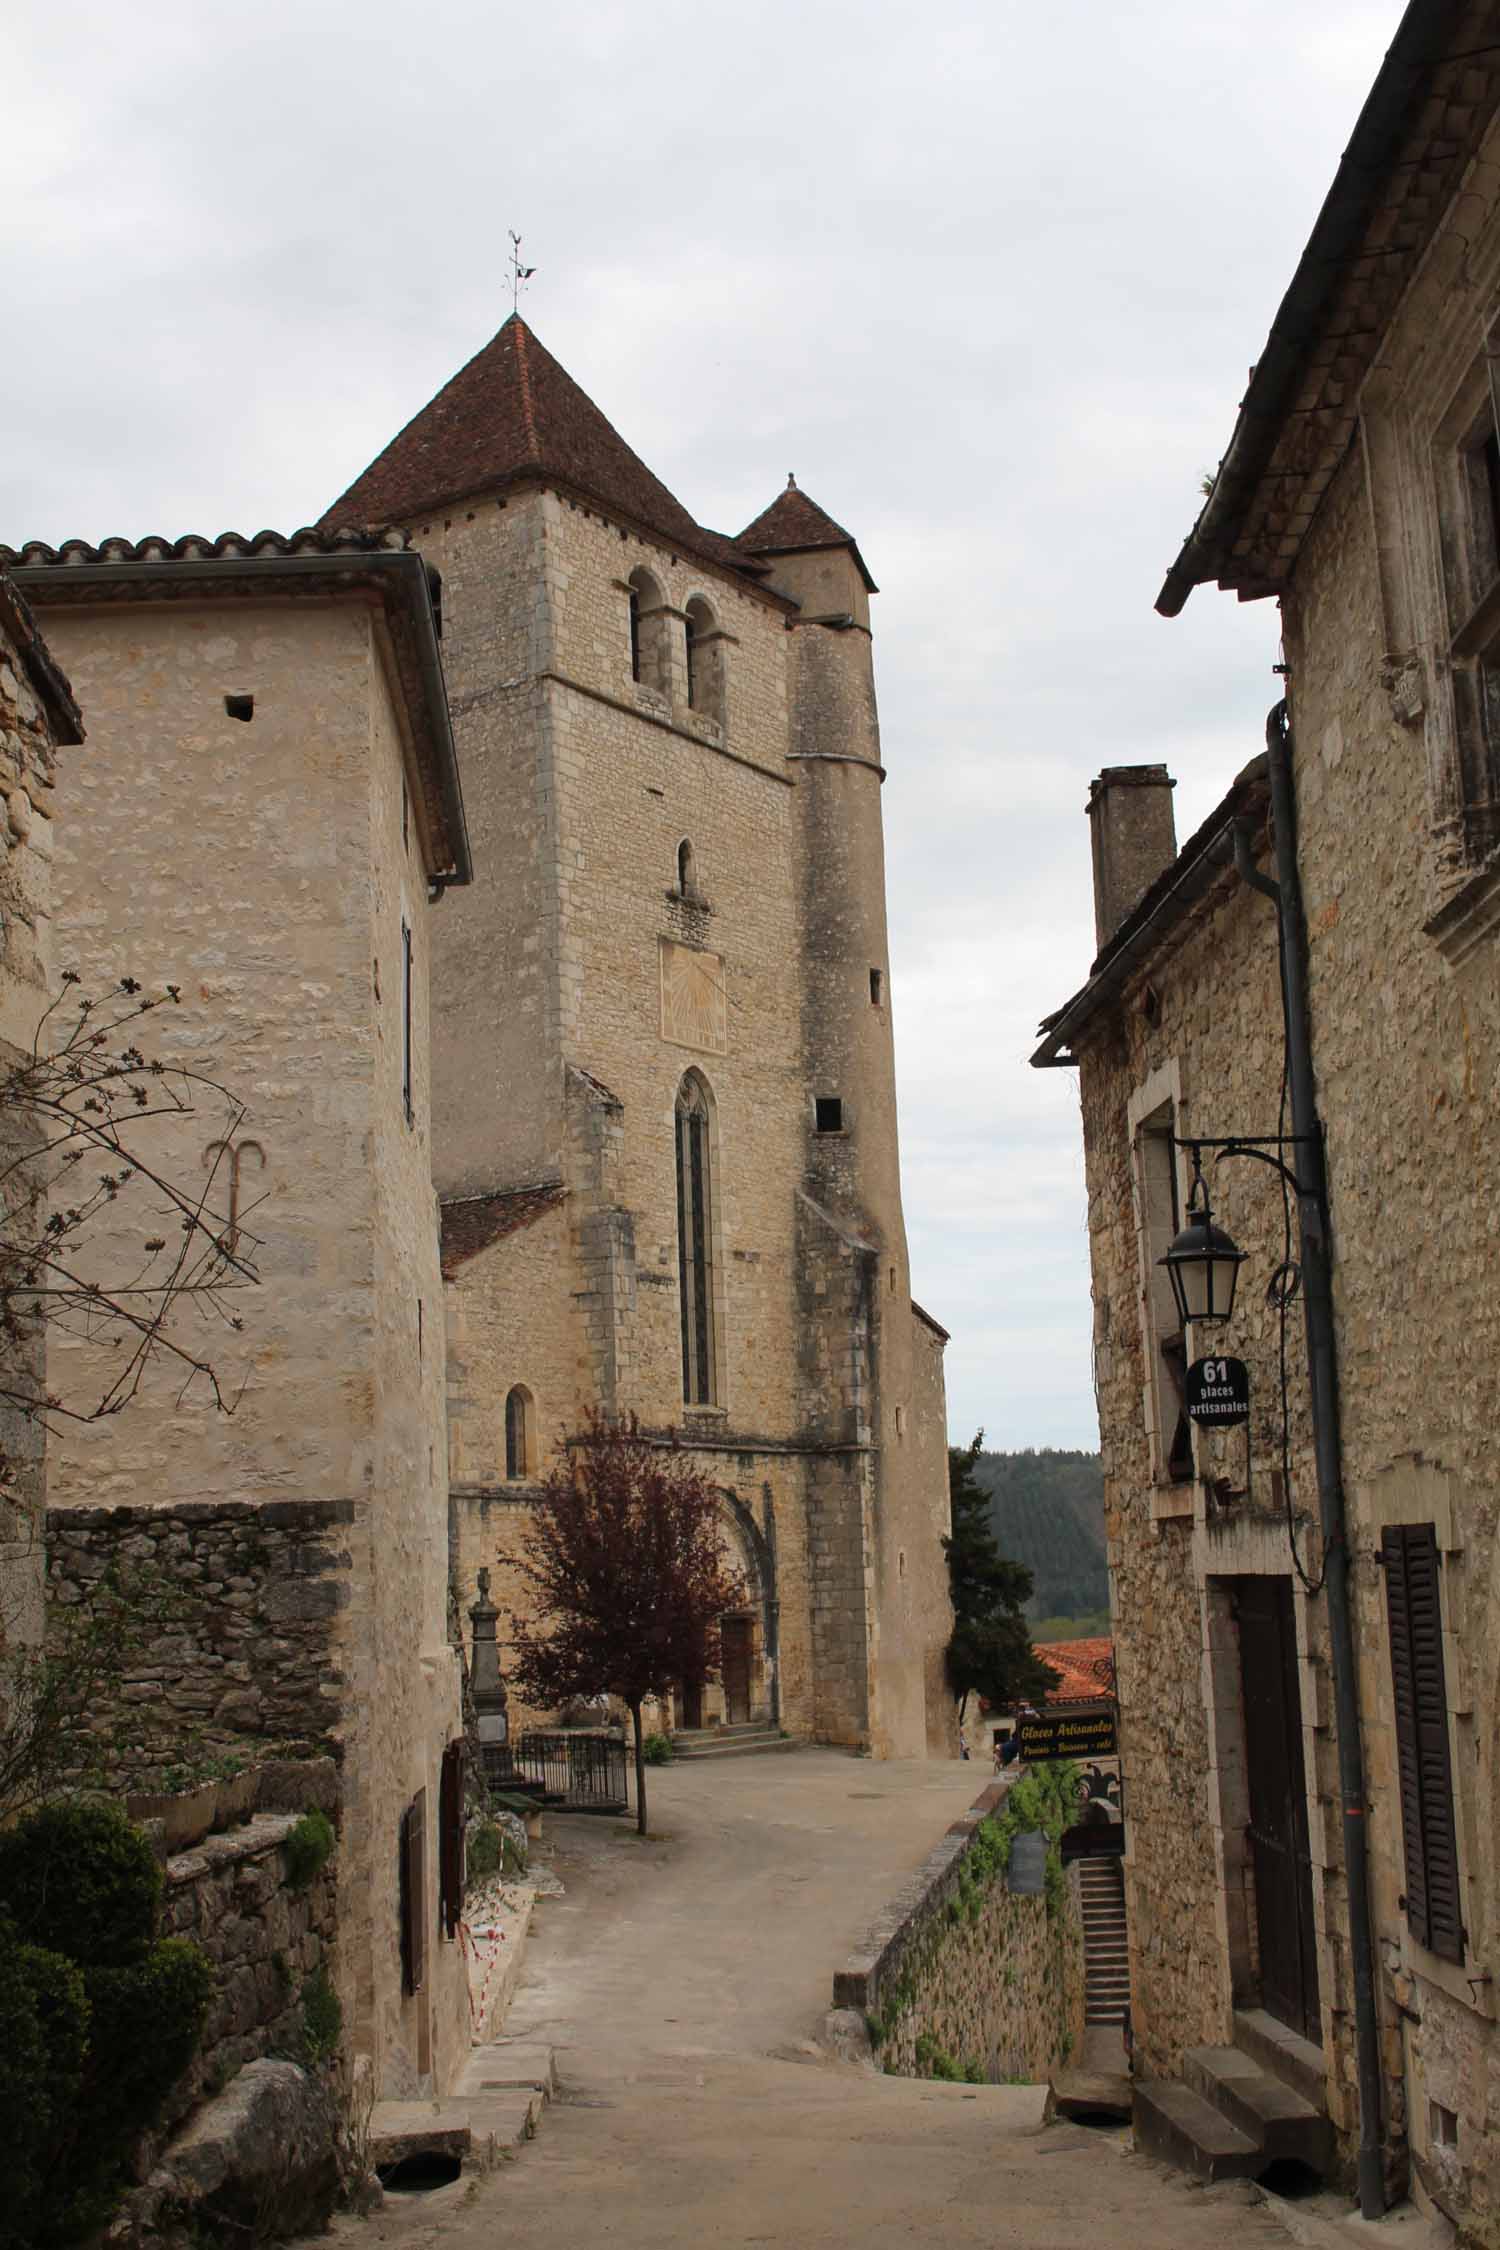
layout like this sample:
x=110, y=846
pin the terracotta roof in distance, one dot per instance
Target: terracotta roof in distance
x=471, y=1223
x=1085, y=1669
x=796, y=525
x=514, y=414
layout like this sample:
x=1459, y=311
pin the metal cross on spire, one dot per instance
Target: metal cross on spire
x=519, y=274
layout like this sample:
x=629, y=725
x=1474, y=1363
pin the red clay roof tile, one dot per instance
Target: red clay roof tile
x=471, y=1223
x=511, y=415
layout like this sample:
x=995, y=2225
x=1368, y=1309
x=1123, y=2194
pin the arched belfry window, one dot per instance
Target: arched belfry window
x=695, y=1260
x=649, y=658
x=520, y=1439
x=705, y=660
x=687, y=870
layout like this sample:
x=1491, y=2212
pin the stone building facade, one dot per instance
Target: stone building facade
x=665, y=1123
x=38, y=716
x=267, y=816
x=1361, y=489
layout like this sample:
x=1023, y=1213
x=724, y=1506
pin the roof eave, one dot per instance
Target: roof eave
x=1207, y=552
x=398, y=575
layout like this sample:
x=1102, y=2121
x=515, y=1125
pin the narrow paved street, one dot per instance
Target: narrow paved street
x=683, y=1983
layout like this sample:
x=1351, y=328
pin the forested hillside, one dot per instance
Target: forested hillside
x=1047, y=1511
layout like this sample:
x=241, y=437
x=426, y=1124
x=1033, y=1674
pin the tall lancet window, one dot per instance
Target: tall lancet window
x=695, y=1265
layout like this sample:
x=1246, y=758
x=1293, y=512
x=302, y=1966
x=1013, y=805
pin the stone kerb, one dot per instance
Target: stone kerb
x=957, y=1977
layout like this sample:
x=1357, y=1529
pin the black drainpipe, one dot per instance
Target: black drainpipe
x=1322, y=1373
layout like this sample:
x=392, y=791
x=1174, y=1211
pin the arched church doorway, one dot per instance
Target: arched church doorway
x=746, y=1689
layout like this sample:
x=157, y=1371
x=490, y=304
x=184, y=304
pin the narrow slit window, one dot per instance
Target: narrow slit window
x=406, y=1101
x=635, y=634
x=518, y=1439
x=695, y=1271
x=687, y=877
x=877, y=987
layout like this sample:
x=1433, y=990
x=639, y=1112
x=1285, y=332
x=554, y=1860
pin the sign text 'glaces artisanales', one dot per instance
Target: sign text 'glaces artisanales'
x=1218, y=1393
x=1071, y=1734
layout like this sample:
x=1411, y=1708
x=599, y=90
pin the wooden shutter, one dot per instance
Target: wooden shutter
x=1413, y=1587
x=413, y=1878
x=451, y=1840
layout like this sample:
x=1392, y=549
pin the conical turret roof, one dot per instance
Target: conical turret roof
x=793, y=524
x=514, y=414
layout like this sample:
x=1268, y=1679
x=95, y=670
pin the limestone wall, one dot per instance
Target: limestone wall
x=963, y=1971
x=268, y=868
x=35, y=714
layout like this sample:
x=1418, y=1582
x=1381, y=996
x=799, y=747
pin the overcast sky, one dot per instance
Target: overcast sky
x=989, y=278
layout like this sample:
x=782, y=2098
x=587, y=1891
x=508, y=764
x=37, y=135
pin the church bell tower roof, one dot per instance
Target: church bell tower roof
x=514, y=415
x=795, y=525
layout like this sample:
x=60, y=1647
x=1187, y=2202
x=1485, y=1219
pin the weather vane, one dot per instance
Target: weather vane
x=519, y=274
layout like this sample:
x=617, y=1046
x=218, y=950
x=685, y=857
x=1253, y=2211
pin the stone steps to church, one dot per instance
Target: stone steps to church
x=732, y=1742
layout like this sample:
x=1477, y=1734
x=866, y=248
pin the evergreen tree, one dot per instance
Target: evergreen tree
x=990, y=1653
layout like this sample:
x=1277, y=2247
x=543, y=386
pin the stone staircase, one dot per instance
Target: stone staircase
x=1106, y=1959
x=1236, y=2111
x=731, y=1742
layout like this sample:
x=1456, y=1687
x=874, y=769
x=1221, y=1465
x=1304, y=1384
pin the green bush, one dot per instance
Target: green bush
x=322, y=2019
x=144, y=2021
x=657, y=1750
x=308, y=1849
x=95, y=2024
x=79, y=1879
x=43, y=2035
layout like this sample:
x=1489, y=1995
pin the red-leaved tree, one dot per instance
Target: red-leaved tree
x=624, y=1560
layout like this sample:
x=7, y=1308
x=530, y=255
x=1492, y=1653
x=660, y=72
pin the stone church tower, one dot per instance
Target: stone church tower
x=664, y=1115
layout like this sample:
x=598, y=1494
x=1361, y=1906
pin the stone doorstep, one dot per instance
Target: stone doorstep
x=1273, y=2113
x=1179, y=2127
x=506, y=2064
x=474, y=2129
x=1283, y=2052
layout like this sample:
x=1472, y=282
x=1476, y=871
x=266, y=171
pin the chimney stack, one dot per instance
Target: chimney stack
x=1134, y=840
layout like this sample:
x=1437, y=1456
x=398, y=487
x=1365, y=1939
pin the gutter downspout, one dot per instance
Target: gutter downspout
x=1322, y=1371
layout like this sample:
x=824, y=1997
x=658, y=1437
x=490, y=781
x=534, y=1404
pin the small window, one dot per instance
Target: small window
x=435, y=594
x=687, y=874
x=240, y=706
x=1442, y=2126
x=705, y=660
x=406, y=1057
x=412, y=1873
x=1156, y=1158
x=877, y=987
x=828, y=1111
x=520, y=1451
x=650, y=660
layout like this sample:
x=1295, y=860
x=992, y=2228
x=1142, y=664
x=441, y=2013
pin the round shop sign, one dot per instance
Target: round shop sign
x=1218, y=1393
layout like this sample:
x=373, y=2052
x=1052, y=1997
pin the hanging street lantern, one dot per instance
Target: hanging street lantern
x=1203, y=1262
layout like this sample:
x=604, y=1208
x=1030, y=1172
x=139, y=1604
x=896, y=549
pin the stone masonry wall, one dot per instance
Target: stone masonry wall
x=231, y=1896
x=1003, y=1989
x=245, y=1653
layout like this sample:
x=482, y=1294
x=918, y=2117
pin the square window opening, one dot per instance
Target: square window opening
x=829, y=1113
x=240, y=707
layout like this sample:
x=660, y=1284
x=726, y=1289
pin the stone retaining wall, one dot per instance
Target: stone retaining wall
x=231, y=1896
x=1002, y=1990
x=247, y=1649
